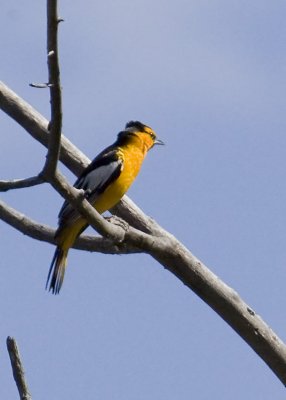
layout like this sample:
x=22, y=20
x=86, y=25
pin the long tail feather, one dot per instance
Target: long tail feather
x=57, y=271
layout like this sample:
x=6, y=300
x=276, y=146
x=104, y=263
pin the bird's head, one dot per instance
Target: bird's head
x=135, y=131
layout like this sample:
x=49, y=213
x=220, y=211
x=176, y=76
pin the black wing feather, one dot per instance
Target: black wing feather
x=103, y=170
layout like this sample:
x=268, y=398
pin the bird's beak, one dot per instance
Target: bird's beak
x=158, y=141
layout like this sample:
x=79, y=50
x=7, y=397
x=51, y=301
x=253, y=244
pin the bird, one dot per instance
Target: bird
x=104, y=181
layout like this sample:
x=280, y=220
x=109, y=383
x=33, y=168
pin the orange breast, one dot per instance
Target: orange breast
x=132, y=159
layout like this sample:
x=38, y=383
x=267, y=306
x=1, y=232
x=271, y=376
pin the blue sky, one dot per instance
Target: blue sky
x=210, y=78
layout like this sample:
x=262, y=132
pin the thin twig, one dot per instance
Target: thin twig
x=39, y=85
x=20, y=183
x=18, y=370
x=55, y=126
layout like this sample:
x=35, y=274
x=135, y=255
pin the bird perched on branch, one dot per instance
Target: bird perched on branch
x=105, y=181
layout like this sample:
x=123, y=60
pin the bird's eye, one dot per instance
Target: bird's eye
x=153, y=136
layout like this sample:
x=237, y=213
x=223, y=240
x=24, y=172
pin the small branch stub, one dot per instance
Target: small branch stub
x=40, y=85
x=18, y=370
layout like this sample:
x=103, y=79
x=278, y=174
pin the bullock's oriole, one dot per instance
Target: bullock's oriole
x=105, y=181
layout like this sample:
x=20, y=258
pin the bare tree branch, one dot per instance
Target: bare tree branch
x=18, y=370
x=225, y=302
x=55, y=126
x=20, y=183
x=45, y=233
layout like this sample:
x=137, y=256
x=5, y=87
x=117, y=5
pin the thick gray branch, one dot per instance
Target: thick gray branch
x=225, y=302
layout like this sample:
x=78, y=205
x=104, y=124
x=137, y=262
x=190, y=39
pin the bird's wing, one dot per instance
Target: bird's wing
x=103, y=170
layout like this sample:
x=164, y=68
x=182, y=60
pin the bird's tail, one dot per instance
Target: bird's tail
x=57, y=270
x=65, y=237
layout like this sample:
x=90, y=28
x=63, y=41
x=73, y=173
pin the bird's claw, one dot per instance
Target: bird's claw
x=118, y=221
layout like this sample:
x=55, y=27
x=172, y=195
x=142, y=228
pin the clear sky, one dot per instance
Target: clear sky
x=210, y=78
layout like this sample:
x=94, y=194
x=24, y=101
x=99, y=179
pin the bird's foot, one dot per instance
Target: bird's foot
x=118, y=221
